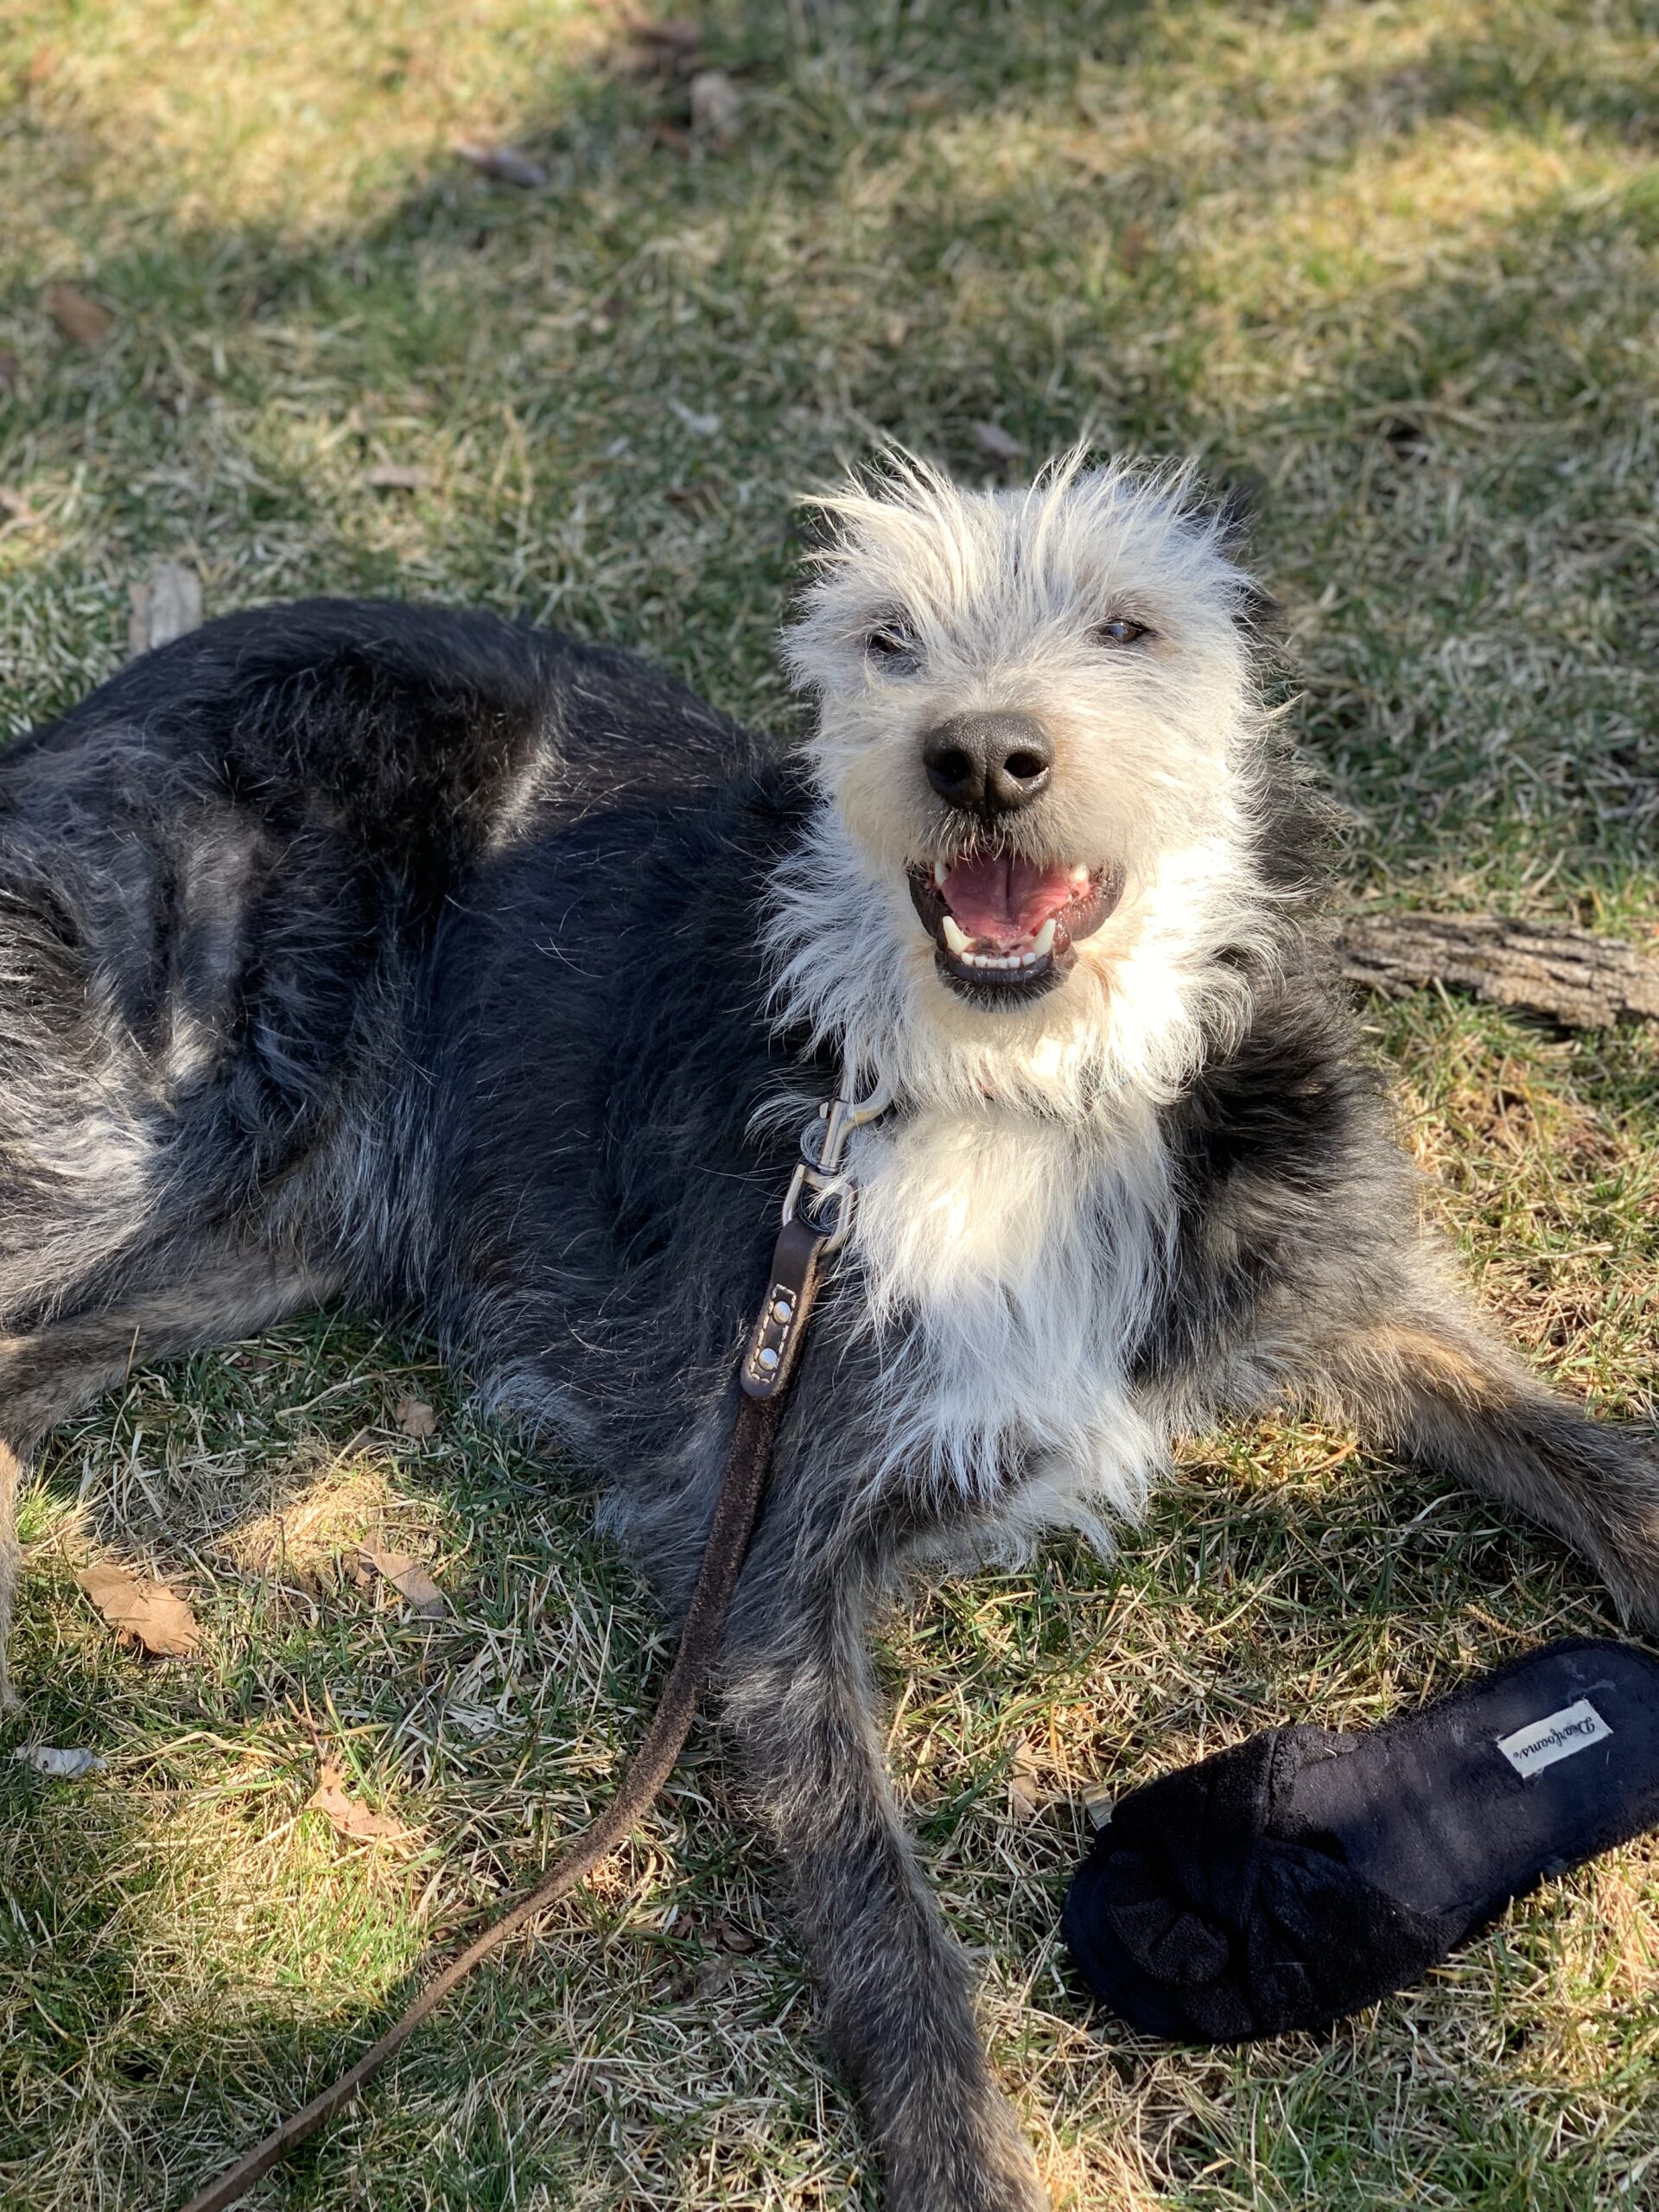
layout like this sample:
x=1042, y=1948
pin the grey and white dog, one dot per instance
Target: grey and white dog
x=475, y=974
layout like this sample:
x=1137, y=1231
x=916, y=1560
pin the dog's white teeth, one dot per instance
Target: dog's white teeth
x=941, y=875
x=955, y=938
x=1043, y=942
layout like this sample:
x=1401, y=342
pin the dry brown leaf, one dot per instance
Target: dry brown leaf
x=164, y=1624
x=716, y=106
x=992, y=439
x=416, y=1418
x=397, y=476
x=81, y=319
x=667, y=45
x=731, y=1936
x=1131, y=243
x=10, y=368
x=348, y=1816
x=410, y=1581
x=14, y=505
x=502, y=164
x=1026, y=1796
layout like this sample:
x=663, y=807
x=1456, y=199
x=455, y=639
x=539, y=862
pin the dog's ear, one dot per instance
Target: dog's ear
x=1258, y=613
x=1232, y=508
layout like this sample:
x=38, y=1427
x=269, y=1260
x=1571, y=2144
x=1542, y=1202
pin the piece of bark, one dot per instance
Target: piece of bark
x=165, y=606
x=1581, y=979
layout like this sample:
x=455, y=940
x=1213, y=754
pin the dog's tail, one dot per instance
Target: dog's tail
x=1428, y=1381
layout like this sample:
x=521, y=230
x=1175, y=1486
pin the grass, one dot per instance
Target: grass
x=1391, y=266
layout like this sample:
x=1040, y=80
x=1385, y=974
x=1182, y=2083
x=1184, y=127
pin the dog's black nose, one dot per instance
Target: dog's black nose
x=989, y=764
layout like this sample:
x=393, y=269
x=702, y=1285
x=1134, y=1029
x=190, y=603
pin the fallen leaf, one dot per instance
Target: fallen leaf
x=502, y=164
x=716, y=106
x=894, y=330
x=1131, y=243
x=348, y=1816
x=700, y=426
x=397, y=476
x=15, y=505
x=416, y=1418
x=698, y=499
x=672, y=136
x=1026, y=1797
x=62, y=1766
x=928, y=101
x=164, y=1624
x=78, y=315
x=164, y=606
x=992, y=439
x=667, y=45
x=10, y=366
x=410, y=1581
x=705, y=1978
x=731, y=1937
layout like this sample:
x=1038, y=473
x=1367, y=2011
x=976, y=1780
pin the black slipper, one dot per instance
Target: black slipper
x=1302, y=1875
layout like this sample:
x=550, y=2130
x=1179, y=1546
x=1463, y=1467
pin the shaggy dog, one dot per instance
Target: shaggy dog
x=472, y=974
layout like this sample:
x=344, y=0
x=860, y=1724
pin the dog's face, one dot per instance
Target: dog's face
x=1033, y=711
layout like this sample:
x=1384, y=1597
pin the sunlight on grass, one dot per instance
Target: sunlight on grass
x=290, y=117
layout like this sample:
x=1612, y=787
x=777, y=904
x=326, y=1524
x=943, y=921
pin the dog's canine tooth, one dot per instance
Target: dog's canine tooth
x=1043, y=940
x=956, y=937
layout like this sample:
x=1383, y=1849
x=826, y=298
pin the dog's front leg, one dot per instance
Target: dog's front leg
x=801, y=1698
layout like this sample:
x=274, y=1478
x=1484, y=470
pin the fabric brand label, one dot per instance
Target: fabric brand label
x=1557, y=1736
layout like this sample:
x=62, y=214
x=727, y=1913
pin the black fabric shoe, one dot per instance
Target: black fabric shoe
x=1302, y=1875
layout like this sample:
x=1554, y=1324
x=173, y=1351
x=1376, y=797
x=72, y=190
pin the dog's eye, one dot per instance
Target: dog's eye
x=1120, y=631
x=893, y=641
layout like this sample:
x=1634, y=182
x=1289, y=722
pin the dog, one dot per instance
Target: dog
x=472, y=974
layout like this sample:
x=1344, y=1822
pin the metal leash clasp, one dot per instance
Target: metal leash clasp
x=817, y=1219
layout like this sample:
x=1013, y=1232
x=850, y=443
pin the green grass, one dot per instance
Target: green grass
x=1391, y=265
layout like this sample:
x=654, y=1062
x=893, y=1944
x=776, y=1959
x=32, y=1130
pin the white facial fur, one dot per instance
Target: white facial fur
x=1005, y=593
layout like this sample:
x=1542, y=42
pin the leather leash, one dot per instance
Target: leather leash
x=816, y=1217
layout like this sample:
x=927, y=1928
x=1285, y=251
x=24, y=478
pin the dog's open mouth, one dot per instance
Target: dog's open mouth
x=1006, y=927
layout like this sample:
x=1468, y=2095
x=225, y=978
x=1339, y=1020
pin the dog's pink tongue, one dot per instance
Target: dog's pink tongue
x=1004, y=899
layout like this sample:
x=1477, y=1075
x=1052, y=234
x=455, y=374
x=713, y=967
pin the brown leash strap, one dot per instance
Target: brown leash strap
x=729, y=1532
x=817, y=1216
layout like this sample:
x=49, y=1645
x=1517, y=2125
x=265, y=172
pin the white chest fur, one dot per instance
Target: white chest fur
x=1009, y=1261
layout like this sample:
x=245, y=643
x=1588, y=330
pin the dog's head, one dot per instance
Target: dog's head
x=1037, y=720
